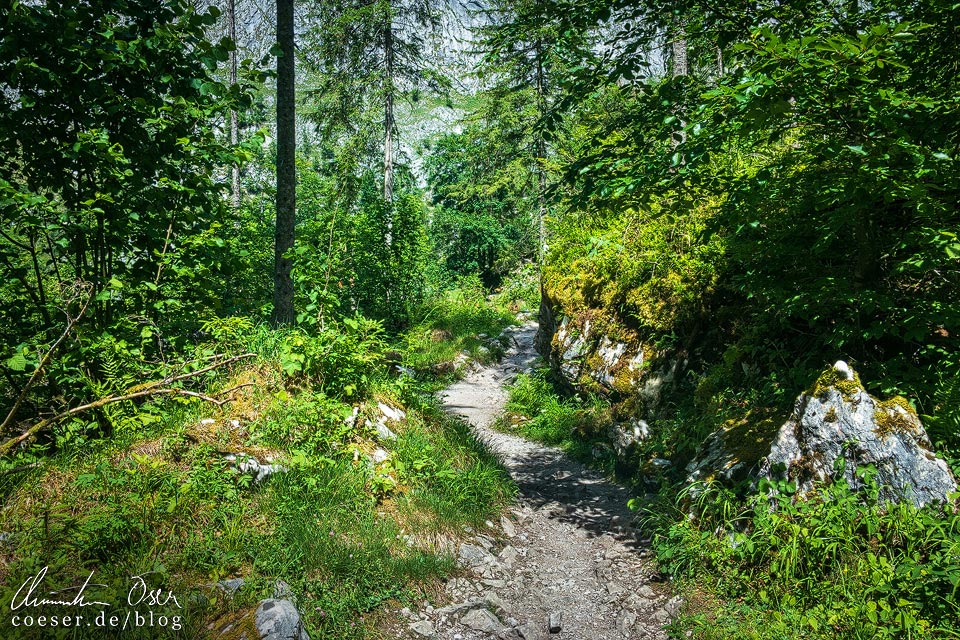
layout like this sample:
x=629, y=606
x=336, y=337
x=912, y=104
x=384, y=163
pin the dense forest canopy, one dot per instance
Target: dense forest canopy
x=744, y=191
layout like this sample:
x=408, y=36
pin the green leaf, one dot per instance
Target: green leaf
x=17, y=362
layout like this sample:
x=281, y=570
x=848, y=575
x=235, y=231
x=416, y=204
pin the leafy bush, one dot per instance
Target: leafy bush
x=340, y=359
x=834, y=564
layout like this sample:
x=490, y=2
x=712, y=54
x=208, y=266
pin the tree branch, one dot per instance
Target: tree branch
x=7, y=446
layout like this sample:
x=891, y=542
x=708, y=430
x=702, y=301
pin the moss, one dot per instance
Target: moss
x=894, y=416
x=624, y=380
x=239, y=625
x=832, y=378
x=899, y=401
x=831, y=415
x=749, y=438
x=594, y=363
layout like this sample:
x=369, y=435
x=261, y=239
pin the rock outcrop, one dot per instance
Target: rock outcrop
x=273, y=619
x=588, y=356
x=835, y=427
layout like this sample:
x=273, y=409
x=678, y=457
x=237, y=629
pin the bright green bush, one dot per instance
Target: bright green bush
x=832, y=564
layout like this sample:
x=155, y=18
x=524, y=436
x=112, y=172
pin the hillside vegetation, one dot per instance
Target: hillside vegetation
x=233, y=279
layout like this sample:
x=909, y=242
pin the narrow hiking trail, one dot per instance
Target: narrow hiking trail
x=567, y=565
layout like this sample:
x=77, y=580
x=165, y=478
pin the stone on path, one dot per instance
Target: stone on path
x=481, y=620
x=279, y=620
x=423, y=629
x=555, y=623
x=507, y=526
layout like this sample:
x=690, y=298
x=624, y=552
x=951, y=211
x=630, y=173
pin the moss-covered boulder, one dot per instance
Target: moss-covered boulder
x=835, y=419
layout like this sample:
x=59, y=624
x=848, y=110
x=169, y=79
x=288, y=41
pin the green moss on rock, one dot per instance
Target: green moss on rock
x=833, y=378
x=895, y=415
x=748, y=439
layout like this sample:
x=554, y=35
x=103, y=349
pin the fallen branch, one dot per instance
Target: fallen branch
x=155, y=388
x=20, y=469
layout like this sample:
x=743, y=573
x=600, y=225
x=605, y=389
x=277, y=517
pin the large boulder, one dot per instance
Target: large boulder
x=835, y=419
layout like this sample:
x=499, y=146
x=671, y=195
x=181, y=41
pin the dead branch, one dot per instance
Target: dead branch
x=155, y=388
x=20, y=469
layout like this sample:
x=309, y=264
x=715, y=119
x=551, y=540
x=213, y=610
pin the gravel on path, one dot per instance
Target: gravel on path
x=568, y=564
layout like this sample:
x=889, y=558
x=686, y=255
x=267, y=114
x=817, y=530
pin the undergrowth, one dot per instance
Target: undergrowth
x=459, y=321
x=352, y=519
x=537, y=410
x=833, y=564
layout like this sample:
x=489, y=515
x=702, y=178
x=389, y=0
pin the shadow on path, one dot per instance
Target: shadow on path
x=547, y=478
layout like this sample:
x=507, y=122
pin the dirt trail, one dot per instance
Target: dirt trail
x=567, y=565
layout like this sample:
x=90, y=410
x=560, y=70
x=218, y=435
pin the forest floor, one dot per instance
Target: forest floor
x=568, y=564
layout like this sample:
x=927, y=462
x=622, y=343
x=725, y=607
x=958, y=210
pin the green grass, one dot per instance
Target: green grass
x=157, y=497
x=835, y=564
x=538, y=411
x=450, y=325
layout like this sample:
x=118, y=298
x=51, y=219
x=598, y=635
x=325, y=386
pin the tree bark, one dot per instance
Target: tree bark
x=235, y=170
x=679, y=46
x=541, y=157
x=283, y=312
x=680, y=68
x=388, y=125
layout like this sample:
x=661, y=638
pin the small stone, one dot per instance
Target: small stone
x=485, y=542
x=230, y=587
x=391, y=413
x=646, y=592
x=471, y=554
x=508, y=529
x=625, y=622
x=379, y=455
x=454, y=609
x=384, y=432
x=481, y=620
x=507, y=555
x=555, y=622
x=843, y=369
x=424, y=629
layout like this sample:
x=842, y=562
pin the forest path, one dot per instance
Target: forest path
x=567, y=565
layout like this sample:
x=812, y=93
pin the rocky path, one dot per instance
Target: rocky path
x=567, y=564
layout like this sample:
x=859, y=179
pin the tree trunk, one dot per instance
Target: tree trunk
x=680, y=68
x=541, y=158
x=388, y=125
x=235, y=170
x=679, y=47
x=283, y=312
